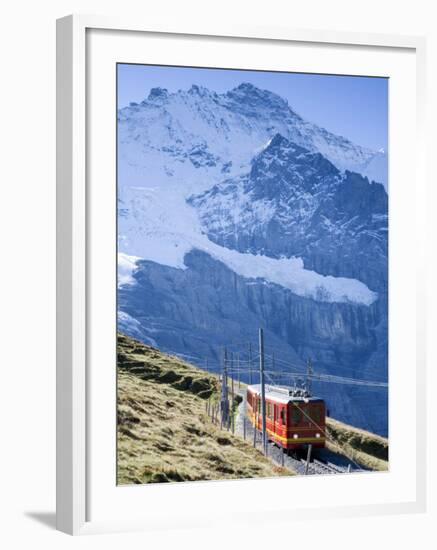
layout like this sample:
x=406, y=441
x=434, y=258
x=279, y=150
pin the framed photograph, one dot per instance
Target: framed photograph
x=240, y=298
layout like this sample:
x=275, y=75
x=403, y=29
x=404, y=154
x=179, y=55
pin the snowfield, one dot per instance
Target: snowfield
x=126, y=267
x=170, y=229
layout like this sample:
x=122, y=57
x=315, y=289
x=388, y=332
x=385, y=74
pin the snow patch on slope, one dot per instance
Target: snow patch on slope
x=290, y=273
x=170, y=245
x=130, y=326
x=126, y=266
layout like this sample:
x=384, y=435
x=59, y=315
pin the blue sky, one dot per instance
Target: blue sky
x=354, y=107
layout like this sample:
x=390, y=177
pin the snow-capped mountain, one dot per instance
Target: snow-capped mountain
x=235, y=213
x=290, y=202
x=221, y=133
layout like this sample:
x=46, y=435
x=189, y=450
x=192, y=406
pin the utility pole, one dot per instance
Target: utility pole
x=231, y=413
x=309, y=375
x=222, y=392
x=238, y=370
x=250, y=363
x=224, y=398
x=232, y=408
x=263, y=389
x=307, y=465
x=274, y=365
x=279, y=367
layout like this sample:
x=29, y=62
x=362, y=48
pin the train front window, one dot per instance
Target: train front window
x=296, y=415
x=316, y=414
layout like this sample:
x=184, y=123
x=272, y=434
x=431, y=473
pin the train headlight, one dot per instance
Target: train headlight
x=295, y=436
x=317, y=435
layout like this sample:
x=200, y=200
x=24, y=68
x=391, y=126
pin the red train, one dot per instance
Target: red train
x=294, y=418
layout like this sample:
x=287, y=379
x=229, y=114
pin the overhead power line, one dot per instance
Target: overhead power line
x=292, y=370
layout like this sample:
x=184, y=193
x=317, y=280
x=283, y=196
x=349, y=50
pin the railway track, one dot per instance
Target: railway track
x=317, y=466
x=325, y=468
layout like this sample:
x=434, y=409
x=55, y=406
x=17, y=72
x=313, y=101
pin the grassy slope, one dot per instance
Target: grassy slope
x=367, y=449
x=163, y=431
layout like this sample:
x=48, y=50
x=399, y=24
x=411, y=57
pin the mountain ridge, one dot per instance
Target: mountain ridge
x=245, y=102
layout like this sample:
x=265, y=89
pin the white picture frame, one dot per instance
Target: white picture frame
x=73, y=264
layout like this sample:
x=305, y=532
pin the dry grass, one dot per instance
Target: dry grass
x=164, y=433
x=367, y=449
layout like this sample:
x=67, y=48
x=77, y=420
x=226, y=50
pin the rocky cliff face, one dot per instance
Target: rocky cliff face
x=241, y=215
x=294, y=202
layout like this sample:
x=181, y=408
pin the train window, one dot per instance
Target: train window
x=316, y=414
x=296, y=415
x=283, y=416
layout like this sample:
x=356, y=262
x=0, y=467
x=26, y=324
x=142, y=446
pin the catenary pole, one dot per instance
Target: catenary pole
x=309, y=374
x=250, y=363
x=263, y=389
x=233, y=404
x=307, y=465
x=224, y=400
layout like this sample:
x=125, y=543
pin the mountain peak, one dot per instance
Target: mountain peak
x=252, y=95
x=158, y=93
x=283, y=160
x=280, y=145
x=247, y=87
x=278, y=140
x=200, y=91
